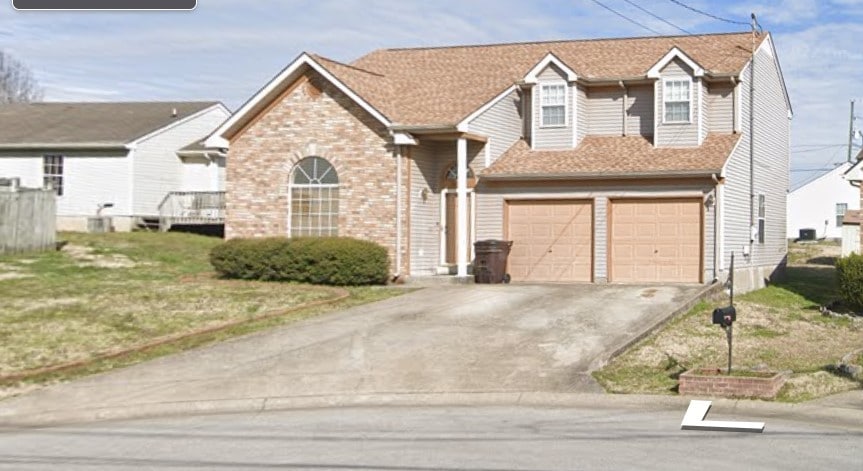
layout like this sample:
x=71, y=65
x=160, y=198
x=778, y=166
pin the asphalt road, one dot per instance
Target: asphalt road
x=432, y=438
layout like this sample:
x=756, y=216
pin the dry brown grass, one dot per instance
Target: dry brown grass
x=778, y=328
x=105, y=293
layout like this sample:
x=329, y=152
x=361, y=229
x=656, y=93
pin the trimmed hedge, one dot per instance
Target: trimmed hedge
x=340, y=261
x=849, y=272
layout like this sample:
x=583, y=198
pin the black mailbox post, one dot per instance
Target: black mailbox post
x=724, y=316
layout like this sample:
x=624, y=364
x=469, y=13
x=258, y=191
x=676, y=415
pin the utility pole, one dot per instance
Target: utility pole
x=851, y=131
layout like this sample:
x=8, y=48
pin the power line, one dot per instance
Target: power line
x=626, y=17
x=657, y=16
x=696, y=10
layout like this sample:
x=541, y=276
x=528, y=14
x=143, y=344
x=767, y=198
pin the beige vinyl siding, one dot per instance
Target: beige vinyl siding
x=676, y=134
x=600, y=234
x=557, y=137
x=583, y=124
x=639, y=110
x=772, y=128
x=157, y=169
x=429, y=161
x=492, y=196
x=605, y=110
x=502, y=124
x=425, y=173
x=720, y=108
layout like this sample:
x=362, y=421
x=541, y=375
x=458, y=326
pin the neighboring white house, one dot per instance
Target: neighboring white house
x=851, y=239
x=126, y=154
x=821, y=204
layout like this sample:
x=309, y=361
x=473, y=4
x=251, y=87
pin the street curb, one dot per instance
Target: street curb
x=726, y=408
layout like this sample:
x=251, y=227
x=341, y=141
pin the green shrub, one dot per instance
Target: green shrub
x=319, y=260
x=849, y=272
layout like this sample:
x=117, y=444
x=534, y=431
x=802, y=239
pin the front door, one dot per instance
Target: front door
x=451, y=218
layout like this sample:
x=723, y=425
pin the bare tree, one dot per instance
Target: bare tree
x=17, y=83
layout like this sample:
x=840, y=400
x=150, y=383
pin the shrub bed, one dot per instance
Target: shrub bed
x=849, y=272
x=340, y=261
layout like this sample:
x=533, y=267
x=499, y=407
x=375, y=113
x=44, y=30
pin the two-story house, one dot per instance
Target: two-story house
x=613, y=160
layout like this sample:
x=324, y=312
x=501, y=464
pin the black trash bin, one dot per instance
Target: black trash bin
x=490, y=263
x=807, y=234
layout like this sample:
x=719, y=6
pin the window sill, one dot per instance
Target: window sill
x=676, y=123
x=554, y=126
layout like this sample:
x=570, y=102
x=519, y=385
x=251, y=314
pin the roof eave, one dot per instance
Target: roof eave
x=67, y=146
x=600, y=175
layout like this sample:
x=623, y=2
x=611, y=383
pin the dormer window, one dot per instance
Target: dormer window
x=676, y=100
x=553, y=101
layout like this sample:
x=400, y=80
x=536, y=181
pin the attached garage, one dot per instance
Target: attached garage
x=655, y=240
x=552, y=240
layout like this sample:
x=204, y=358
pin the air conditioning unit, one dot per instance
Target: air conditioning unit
x=10, y=184
x=100, y=224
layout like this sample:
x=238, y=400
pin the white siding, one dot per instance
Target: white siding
x=502, y=124
x=605, y=111
x=813, y=206
x=676, y=135
x=28, y=169
x=158, y=169
x=201, y=174
x=639, y=110
x=559, y=137
x=772, y=128
x=720, y=108
x=89, y=179
x=850, y=239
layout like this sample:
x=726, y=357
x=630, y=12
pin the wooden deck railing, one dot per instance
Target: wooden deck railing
x=192, y=207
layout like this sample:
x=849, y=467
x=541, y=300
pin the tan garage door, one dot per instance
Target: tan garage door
x=552, y=240
x=657, y=240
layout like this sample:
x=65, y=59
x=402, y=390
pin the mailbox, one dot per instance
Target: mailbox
x=724, y=315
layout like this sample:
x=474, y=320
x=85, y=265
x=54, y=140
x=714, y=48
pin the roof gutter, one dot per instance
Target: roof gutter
x=707, y=173
x=67, y=146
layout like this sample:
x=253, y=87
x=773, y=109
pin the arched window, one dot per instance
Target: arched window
x=314, y=189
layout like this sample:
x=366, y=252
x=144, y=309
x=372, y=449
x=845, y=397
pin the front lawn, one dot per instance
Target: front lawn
x=779, y=328
x=107, y=293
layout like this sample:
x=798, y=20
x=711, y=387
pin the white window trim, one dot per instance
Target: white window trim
x=676, y=79
x=837, y=215
x=292, y=186
x=555, y=83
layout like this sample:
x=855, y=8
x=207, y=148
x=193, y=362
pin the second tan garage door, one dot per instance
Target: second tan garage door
x=552, y=240
x=655, y=240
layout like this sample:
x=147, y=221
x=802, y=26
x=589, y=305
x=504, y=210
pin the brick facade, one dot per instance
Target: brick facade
x=712, y=382
x=313, y=118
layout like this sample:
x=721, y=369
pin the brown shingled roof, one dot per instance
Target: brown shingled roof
x=613, y=155
x=441, y=86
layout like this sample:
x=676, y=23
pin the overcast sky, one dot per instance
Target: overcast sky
x=227, y=49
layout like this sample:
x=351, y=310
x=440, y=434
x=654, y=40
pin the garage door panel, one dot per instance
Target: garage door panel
x=655, y=240
x=558, y=244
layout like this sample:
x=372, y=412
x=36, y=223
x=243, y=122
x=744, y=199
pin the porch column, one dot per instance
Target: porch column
x=461, y=200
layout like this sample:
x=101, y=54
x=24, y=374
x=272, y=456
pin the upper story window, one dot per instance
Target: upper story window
x=314, y=207
x=52, y=172
x=676, y=100
x=553, y=104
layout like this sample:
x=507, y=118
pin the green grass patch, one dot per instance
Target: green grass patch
x=107, y=292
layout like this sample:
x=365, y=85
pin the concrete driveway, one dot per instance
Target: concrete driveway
x=444, y=339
